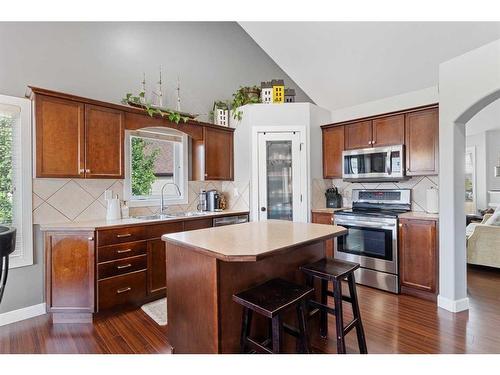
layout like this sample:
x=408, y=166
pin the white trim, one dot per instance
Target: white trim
x=453, y=305
x=22, y=314
x=23, y=256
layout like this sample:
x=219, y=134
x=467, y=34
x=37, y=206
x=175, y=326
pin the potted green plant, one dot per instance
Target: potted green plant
x=244, y=95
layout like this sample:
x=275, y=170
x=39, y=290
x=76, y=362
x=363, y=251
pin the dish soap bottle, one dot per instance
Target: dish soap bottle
x=125, y=210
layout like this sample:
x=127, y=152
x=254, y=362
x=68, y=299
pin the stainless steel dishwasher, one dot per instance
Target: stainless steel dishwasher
x=230, y=220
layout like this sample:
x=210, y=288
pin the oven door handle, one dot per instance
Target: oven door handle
x=388, y=163
x=366, y=224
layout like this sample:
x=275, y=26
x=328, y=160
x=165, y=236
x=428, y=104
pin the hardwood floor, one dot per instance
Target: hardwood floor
x=393, y=324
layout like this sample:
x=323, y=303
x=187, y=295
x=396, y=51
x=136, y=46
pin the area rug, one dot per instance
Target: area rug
x=157, y=310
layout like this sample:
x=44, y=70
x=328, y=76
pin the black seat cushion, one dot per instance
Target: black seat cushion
x=273, y=296
x=7, y=240
x=330, y=269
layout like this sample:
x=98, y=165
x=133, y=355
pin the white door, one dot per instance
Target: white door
x=279, y=176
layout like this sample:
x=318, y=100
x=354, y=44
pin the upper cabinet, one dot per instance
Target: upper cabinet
x=358, y=135
x=422, y=139
x=60, y=133
x=333, y=145
x=77, y=140
x=388, y=131
x=104, y=130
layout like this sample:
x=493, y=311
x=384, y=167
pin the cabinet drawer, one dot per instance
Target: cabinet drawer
x=120, y=290
x=119, y=267
x=157, y=230
x=120, y=235
x=198, y=224
x=115, y=252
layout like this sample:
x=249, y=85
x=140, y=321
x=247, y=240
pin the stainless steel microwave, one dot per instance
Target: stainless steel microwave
x=374, y=164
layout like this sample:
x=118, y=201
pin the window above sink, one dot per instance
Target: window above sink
x=154, y=157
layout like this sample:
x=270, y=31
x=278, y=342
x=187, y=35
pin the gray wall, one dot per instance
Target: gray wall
x=106, y=60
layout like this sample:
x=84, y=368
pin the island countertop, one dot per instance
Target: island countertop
x=252, y=241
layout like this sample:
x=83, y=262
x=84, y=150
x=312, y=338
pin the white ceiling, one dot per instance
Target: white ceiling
x=340, y=64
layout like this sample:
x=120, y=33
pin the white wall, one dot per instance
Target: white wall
x=478, y=141
x=492, y=158
x=466, y=85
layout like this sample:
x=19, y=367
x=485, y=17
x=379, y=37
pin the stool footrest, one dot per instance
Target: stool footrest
x=350, y=326
x=344, y=298
x=320, y=306
x=291, y=330
x=260, y=346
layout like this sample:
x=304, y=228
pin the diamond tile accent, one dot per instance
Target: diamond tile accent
x=95, y=187
x=95, y=211
x=45, y=187
x=71, y=200
x=45, y=213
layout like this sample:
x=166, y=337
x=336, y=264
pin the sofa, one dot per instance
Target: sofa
x=483, y=244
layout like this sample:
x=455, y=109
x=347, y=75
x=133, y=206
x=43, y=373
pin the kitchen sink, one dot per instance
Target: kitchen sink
x=192, y=213
x=154, y=217
x=174, y=215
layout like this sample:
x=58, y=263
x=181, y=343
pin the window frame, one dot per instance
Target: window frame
x=181, y=162
x=23, y=255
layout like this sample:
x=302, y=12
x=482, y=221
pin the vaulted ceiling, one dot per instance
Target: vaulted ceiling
x=340, y=64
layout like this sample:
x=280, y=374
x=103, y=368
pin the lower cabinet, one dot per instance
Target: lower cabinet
x=157, y=277
x=324, y=218
x=418, y=251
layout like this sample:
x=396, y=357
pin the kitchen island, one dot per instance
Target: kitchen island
x=206, y=267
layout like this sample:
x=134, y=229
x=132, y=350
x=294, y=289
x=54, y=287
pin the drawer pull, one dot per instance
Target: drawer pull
x=123, y=235
x=124, y=266
x=123, y=251
x=123, y=290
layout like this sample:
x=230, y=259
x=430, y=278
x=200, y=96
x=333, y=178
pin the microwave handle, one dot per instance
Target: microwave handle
x=388, y=163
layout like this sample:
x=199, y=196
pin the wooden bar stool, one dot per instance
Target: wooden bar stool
x=332, y=270
x=271, y=299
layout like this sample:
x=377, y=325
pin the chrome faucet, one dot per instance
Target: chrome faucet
x=162, y=202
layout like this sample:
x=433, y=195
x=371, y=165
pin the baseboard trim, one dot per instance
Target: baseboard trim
x=454, y=306
x=22, y=314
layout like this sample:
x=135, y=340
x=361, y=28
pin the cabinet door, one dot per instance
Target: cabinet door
x=324, y=218
x=358, y=135
x=333, y=145
x=388, y=131
x=421, y=133
x=157, y=267
x=104, y=132
x=218, y=154
x=198, y=224
x=59, y=137
x=418, y=252
x=70, y=272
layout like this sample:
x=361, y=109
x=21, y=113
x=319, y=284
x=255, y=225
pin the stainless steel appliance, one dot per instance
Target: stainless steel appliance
x=230, y=220
x=376, y=163
x=213, y=200
x=202, y=201
x=372, y=238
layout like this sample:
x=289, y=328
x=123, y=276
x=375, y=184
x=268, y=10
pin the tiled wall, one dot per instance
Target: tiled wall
x=65, y=200
x=418, y=186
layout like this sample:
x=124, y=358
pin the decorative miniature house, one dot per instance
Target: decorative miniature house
x=289, y=96
x=266, y=92
x=221, y=114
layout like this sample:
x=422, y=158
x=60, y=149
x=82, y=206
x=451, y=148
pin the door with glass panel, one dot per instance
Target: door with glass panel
x=279, y=177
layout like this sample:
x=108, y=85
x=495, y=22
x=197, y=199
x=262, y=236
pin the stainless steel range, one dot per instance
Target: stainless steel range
x=372, y=238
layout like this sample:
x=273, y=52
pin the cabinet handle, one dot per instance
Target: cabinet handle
x=124, y=266
x=123, y=251
x=373, y=142
x=400, y=225
x=90, y=238
x=87, y=170
x=81, y=171
x=123, y=290
x=123, y=235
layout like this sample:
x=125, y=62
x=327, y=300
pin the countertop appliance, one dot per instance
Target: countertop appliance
x=374, y=164
x=333, y=198
x=230, y=220
x=213, y=200
x=372, y=237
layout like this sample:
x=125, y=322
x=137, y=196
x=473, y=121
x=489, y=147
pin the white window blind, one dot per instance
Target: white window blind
x=15, y=175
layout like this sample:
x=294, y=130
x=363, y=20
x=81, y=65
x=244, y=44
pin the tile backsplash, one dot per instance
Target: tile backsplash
x=418, y=186
x=60, y=200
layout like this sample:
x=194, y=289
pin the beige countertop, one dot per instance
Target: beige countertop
x=105, y=224
x=419, y=215
x=327, y=210
x=253, y=241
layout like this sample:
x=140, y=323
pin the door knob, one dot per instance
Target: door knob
x=262, y=209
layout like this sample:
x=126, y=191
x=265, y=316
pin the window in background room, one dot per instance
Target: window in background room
x=15, y=175
x=470, y=180
x=155, y=157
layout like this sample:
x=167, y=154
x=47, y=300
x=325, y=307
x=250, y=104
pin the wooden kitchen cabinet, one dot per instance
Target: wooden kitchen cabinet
x=328, y=219
x=422, y=142
x=358, y=135
x=157, y=277
x=60, y=133
x=218, y=154
x=76, y=140
x=388, y=131
x=104, y=132
x=69, y=275
x=418, y=251
x=333, y=145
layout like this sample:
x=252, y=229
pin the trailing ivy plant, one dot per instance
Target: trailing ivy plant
x=151, y=110
x=242, y=97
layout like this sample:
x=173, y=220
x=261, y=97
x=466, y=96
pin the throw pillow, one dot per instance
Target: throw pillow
x=495, y=218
